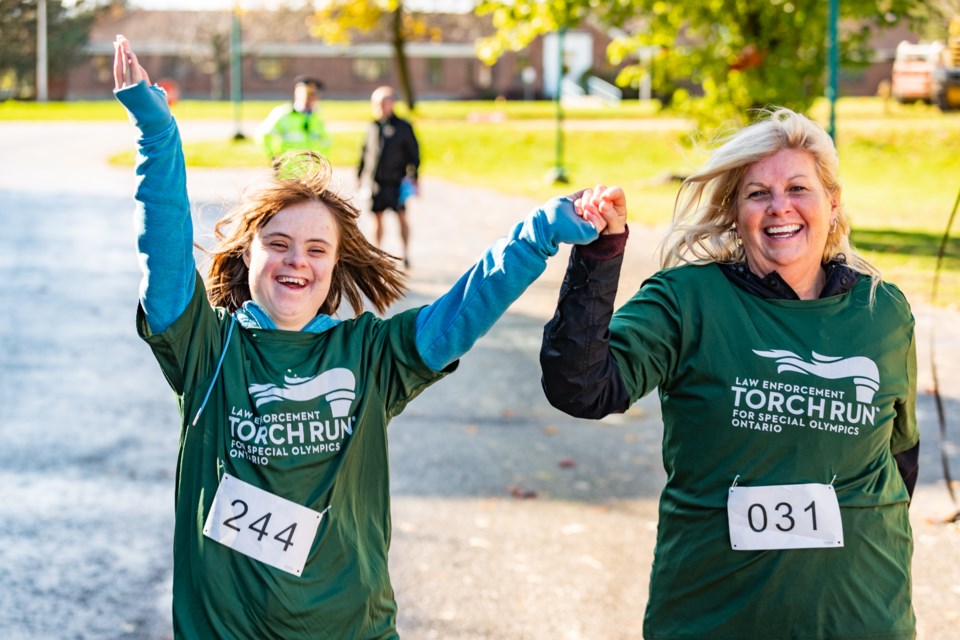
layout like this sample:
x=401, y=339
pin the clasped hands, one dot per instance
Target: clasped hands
x=603, y=207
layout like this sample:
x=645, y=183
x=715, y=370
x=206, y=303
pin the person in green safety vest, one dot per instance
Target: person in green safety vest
x=297, y=125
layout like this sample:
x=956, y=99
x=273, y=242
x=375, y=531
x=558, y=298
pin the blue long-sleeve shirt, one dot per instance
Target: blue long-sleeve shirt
x=445, y=329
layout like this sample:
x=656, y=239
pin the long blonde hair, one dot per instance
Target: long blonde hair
x=303, y=176
x=705, y=212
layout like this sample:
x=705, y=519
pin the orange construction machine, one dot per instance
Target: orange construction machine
x=945, y=89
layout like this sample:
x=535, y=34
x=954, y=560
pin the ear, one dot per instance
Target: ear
x=246, y=257
x=835, y=200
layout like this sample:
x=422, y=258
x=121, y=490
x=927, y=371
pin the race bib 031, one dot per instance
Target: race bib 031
x=789, y=516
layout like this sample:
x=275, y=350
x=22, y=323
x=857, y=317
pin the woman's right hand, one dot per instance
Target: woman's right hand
x=126, y=68
x=608, y=204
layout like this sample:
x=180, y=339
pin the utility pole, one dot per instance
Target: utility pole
x=236, y=71
x=42, y=81
x=559, y=174
x=833, y=63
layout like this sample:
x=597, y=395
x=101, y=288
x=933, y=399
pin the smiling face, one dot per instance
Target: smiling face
x=784, y=216
x=291, y=261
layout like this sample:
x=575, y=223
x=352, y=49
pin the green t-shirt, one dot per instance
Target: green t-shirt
x=302, y=416
x=765, y=392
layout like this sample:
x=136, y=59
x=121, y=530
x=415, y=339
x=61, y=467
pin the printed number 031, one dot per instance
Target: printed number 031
x=794, y=516
x=757, y=513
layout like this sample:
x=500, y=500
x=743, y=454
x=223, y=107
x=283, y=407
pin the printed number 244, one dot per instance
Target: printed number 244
x=260, y=525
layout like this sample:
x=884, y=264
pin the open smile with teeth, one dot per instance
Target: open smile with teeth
x=783, y=231
x=290, y=281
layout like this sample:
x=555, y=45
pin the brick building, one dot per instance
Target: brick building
x=193, y=49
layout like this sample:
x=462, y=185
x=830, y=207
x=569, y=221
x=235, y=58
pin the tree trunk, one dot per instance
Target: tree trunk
x=400, y=55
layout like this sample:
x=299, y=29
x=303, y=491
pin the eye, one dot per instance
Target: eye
x=279, y=246
x=756, y=194
x=797, y=188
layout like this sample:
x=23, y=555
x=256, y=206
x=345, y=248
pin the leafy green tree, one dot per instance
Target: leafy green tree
x=717, y=59
x=934, y=17
x=745, y=54
x=68, y=28
x=339, y=21
x=519, y=22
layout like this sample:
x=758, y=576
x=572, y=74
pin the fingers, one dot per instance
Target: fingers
x=604, y=207
x=576, y=196
x=584, y=204
x=580, y=199
x=613, y=208
x=126, y=68
x=136, y=71
x=580, y=204
x=614, y=198
x=598, y=222
x=119, y=64
x=589, y=201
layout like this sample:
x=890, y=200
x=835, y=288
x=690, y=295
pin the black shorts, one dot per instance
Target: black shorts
x=387, y=196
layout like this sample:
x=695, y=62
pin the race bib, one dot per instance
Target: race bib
x=261, y=525
x=789, y=516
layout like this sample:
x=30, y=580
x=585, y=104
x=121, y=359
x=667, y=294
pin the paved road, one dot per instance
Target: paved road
x=88, y=427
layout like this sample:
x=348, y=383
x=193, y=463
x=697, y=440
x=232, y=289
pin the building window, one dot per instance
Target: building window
x=270, y=68
x=103, y=68
x=484, y=76
x=434, y=72
x=371, y=69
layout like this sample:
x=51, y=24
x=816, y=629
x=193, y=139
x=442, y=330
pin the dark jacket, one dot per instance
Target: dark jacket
x=390, y=152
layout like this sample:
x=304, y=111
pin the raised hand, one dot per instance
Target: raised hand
x=604, y=207
x=126, y=68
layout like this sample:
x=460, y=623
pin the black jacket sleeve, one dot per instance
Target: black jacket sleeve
x=908, y=464
x=579, y=375
x=411, y=152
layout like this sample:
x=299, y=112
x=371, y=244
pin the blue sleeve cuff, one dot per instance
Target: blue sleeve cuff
x=147, y=107
x=555, y=223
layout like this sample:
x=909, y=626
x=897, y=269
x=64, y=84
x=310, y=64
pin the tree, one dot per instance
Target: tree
x=934, y=17
x=718, y=59
x=519, y=23
x=339, y=21
x=212, y=29
x=68, y=29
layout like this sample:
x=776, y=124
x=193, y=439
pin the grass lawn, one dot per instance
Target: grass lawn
x=335, y=110
x=898, y=162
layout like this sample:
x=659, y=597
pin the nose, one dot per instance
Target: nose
x=779, y=202
x=295, y=257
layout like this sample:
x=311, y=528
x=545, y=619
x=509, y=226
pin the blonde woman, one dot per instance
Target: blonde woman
x=786, y=372
x=282, y=491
